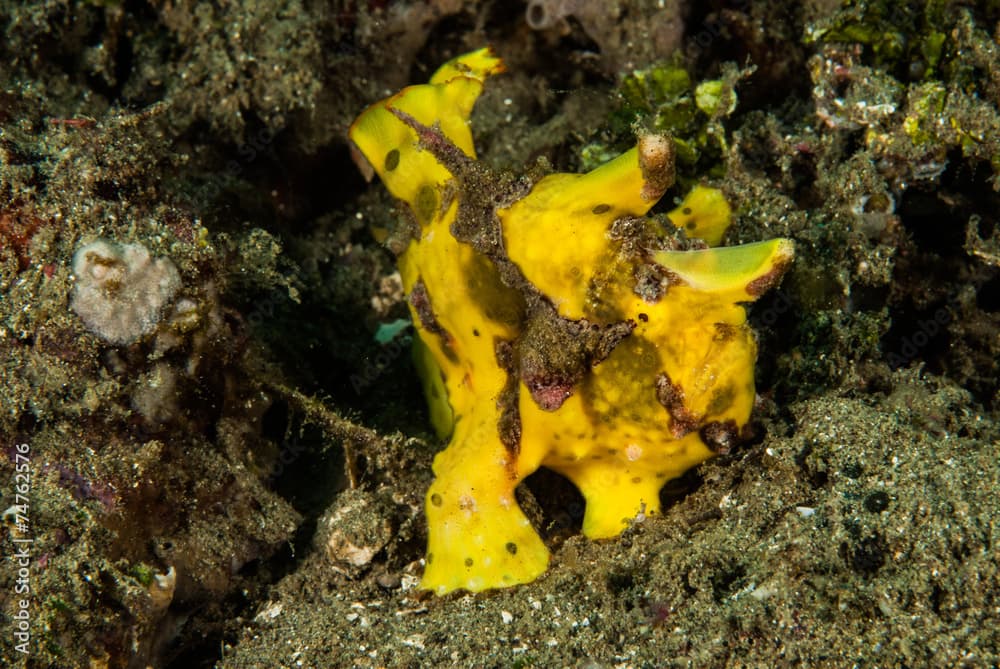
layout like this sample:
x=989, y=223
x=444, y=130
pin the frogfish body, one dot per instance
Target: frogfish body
x=557, y=326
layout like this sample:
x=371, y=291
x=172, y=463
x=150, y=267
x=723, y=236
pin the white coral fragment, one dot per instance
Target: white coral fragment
x=121, y=291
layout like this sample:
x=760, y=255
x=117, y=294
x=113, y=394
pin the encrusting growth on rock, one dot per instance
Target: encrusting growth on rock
x=542, y=339
x=121, y=291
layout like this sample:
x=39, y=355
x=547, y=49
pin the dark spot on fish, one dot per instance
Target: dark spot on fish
x=425, y=204
x=392, y=160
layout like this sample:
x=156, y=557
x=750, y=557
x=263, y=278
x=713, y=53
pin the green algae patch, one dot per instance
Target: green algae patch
x=664, y=98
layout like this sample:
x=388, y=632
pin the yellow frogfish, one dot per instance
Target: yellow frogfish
x=557, y=325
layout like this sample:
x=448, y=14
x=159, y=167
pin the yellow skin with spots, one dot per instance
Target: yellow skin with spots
x=677, y=385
